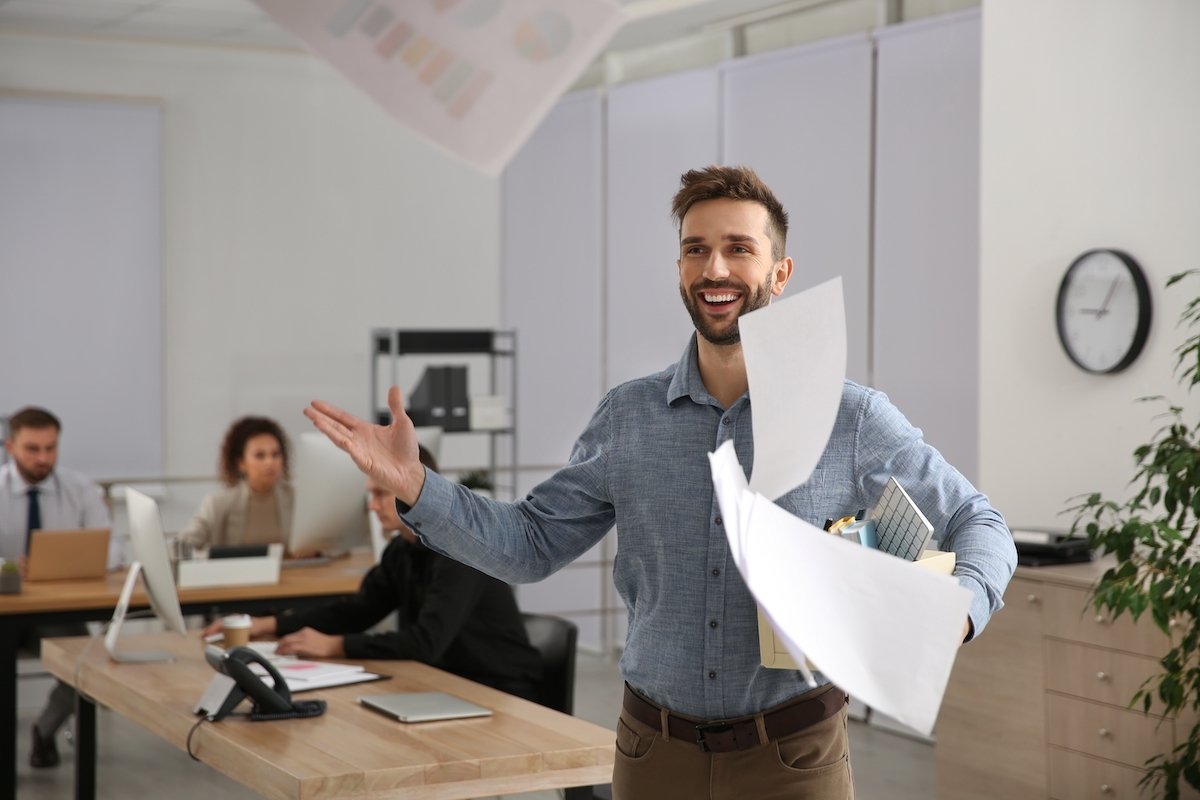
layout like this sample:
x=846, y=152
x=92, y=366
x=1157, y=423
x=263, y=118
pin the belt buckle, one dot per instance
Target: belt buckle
x=711, y=727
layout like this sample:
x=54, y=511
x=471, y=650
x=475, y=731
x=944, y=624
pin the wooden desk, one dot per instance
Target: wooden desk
x=349, y=752
x=51, y=602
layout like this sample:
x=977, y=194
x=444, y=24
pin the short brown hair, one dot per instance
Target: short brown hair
x=234, y=446
x=736, y=183
x=32, y=417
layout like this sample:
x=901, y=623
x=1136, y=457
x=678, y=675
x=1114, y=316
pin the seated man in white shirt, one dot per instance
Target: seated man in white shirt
x=35, y=495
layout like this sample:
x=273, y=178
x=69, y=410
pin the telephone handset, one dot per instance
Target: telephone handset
x=269, y=702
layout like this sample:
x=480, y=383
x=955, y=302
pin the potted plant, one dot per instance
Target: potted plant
x=478, y=481
x=10, y=577
x=1154, y=538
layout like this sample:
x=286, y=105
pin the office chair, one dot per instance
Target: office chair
x=554, y=638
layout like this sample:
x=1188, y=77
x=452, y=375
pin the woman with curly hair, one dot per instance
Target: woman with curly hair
x=256, y=507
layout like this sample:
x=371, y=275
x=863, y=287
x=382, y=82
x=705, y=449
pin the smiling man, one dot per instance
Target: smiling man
x=701, y=718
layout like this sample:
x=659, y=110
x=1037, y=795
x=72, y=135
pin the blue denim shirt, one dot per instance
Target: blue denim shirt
x=642, y=465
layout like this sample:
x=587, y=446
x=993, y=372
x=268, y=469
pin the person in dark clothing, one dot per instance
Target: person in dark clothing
x=450, y=616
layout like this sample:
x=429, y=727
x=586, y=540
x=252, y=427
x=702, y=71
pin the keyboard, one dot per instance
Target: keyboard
x=312, y=561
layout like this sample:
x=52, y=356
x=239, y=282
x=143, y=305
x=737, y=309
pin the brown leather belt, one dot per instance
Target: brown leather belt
x=741, y=733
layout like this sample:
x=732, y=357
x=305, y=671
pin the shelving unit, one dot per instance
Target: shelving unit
x=391, y=346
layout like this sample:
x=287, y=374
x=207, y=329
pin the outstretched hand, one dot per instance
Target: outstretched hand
x=386, y=453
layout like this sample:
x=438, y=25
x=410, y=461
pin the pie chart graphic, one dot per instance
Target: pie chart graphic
x=543, y=36
x=474, y=13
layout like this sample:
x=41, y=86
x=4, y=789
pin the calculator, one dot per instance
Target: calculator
x=900, y=527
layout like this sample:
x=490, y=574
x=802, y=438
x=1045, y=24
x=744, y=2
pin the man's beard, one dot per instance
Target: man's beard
x=35, y=476
x=752, y=301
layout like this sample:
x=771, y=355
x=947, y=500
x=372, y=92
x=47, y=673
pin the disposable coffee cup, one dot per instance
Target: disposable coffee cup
x=236, y=628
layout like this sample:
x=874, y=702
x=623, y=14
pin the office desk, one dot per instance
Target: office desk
x=350, y=751
x=51, y=602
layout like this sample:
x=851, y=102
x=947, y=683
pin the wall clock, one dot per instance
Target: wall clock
x=1104, y=311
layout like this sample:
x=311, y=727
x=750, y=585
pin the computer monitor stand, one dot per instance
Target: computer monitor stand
x=114, y=627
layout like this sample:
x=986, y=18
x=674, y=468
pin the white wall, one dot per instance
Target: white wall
x=1090, y=113
x=297, y=216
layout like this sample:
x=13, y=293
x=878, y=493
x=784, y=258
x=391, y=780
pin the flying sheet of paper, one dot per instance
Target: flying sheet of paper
x=474, y=77
x=880, y=628
x=795, y=353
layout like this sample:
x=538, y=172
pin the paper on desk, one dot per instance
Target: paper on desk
x=880, y=628
x=795, y=353
x=473, y=77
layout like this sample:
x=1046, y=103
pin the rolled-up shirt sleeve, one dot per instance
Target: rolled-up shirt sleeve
x=963, y=519
x=525, y=541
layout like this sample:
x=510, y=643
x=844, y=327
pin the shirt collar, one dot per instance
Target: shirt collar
x=47, y=486
x=687, y=381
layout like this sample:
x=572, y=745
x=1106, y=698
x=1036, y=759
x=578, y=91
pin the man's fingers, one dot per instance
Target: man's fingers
x=336, y=414
x=337, y=433
x=396, y=403
x=331, y=423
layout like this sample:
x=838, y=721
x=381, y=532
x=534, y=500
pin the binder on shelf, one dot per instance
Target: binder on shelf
x=458, y=418
x=441, y=399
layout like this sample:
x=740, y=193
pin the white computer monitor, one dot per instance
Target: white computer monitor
x=151, y=561
x=430, y=437
x=331, y=499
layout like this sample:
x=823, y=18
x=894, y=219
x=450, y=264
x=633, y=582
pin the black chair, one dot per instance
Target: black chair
x=554, y=638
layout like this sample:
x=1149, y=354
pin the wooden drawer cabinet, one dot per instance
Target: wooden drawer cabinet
x=1038, y=706
x=1128, y=737
x=1094, y=673
x=1070, y=615
x=991, y=732
x=1076, y=777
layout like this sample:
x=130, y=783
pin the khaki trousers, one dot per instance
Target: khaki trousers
x=810, y=764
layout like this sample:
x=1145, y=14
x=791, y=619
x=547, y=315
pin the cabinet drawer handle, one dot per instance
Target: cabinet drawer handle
x=1105, y=789
x=1100, y=620
x=1103, y=732
x=1101, y=676
x=1033, y=598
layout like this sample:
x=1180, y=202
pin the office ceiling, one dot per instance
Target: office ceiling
x=241, y=22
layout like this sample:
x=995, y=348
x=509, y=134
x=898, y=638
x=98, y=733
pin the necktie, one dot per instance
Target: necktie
x=34, y=519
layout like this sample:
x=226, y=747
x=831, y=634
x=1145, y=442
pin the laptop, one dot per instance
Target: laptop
x=423, y=706
x=69, y=554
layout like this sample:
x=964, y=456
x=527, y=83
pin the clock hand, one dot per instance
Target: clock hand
x=1104, y=308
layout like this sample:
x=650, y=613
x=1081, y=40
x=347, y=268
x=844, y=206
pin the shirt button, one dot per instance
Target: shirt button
x=716, y=572
x=718, y=520
x=712, y=675
x=712, y=623
x=417, y=525
x=725, y=421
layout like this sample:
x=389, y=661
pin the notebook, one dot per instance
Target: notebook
x=58, y=555
x=423, y=706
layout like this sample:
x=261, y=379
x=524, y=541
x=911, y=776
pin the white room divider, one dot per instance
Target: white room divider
x=80, y=276
x=657, y=129
x=553, y=298
x=927, y=230
x=802, y=119
x=553, y=264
